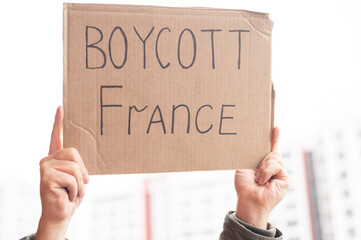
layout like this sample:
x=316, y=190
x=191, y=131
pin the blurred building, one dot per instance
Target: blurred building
x=293, y=214
x=321, y=204
x=20, y=208
x=190, y=206
x=113, y=209
x=336, y=160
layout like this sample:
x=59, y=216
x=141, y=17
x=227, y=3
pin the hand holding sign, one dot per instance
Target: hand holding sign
x=260, y=190
x=62, y=184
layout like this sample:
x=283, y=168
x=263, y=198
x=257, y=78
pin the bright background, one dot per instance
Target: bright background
x=316, y=69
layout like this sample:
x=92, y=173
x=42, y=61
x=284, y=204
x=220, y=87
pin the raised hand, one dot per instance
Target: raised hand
x=62, y=184
x=260, y=190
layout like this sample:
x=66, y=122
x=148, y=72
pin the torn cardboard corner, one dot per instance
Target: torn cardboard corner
x=157, y=89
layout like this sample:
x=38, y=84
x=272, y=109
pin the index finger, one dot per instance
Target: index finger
x=276, y=136
x=56, y=141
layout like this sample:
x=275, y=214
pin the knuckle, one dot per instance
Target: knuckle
x=79, y=176
x=266, y=171
x=45, y=179
x=75, y=171
x=73, y=181
x=44, y=168
x=43, y=160
x=70, y=151
x=73, y=151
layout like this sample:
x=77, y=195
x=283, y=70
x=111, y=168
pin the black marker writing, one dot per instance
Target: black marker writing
x=239, y=45
x=158, y=121
x=130, y=115
x=125, y=47
x=194, y=48
x=221, y=121
x=106, y=105
x=93, y=45
x=143, y=41
x=156, y=48
x=212, y=42
x=119, y=35
x=197, y=119
x=173, y=115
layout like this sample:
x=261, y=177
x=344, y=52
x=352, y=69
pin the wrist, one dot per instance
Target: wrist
x=48, y=229
x=253, y=215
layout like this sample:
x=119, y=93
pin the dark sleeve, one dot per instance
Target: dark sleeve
x=235, y=229
x=32, y=237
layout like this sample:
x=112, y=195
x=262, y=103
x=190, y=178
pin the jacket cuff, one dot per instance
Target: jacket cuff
x=249, y=231
x=32, y=237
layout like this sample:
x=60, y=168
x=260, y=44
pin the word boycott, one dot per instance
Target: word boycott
x=93, y=49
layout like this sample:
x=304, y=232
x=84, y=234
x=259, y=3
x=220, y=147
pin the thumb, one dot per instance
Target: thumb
x=56, y=141
x=276, y=136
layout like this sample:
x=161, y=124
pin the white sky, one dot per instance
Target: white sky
x=316, y=69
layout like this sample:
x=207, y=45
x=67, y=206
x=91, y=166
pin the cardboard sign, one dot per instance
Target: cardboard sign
x=157, y=89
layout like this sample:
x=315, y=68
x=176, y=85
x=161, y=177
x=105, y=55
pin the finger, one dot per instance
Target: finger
x=281, y=175
x=268, y=173
x=71, y=154
x=281, y=179
x=56, y=141
x=67, y=181
x=271, y=158
x=73, y=169
x=268, y=157
x=276, y=136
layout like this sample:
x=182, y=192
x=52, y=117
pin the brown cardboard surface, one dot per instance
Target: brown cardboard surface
x=133, y=75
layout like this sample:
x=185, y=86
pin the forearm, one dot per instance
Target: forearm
x=252, y=215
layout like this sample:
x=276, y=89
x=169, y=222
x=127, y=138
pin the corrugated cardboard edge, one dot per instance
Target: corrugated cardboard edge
x=65, y=57
x=273, y=97
x=150, y=8
x=68, y=124
x=96, y=7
